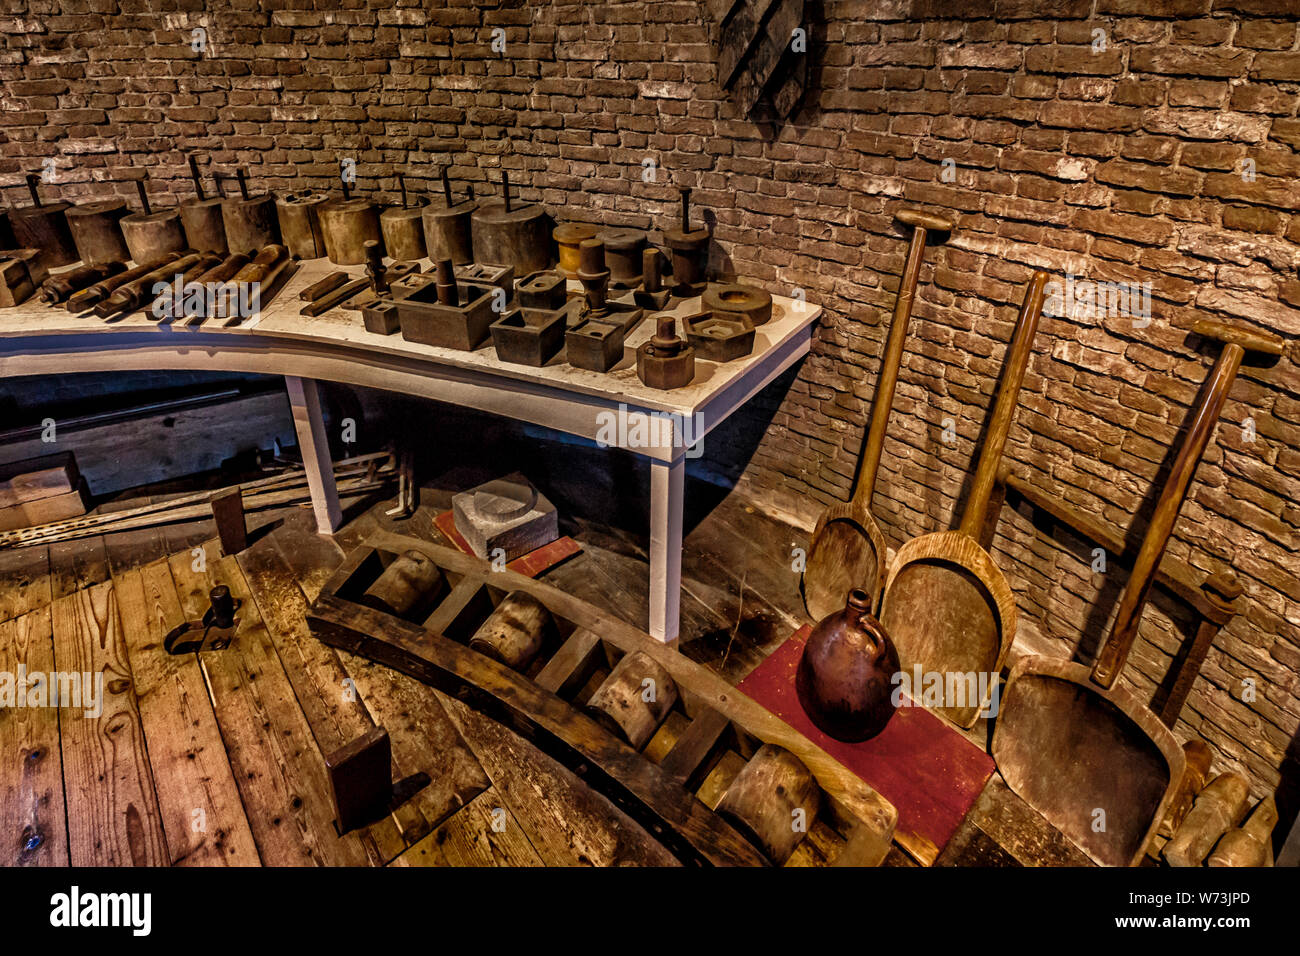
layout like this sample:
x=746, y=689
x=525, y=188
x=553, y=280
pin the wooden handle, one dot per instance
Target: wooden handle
x=505, y=188
x=924, y=220
x=889, y=363
x=144, y=197
x=1252, y=340
x=401, y=185
x=1113, y=656
x=1022, y=344
x=446, y=187
x=241, y=174
x=686, y=207
x=32, y=181
x=194, y=174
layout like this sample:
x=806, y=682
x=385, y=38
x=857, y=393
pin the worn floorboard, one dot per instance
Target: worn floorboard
x=32, y=817
x=203, y=819
x=113, y=817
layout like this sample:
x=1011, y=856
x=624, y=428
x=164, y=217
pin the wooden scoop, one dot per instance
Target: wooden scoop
x=1081, y=751
x=947, y=607
x=848, y=548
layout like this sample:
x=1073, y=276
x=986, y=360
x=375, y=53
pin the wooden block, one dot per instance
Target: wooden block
x=20, y=276
x=232, y=529
x=27, y=514
x=361, y=779
x=36, y=478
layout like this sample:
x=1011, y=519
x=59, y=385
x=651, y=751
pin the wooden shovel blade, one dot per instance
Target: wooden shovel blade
x=950, y=612
x=1097, y=764
x=847, y=552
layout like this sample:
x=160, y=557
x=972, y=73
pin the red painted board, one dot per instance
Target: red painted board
x=924, y=767
x=530, y=565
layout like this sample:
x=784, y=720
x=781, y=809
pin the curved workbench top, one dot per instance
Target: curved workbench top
x=37, y=339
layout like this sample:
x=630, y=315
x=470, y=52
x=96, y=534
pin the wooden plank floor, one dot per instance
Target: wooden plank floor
x=217, y=759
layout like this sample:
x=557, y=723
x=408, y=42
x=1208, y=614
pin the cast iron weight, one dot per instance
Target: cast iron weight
x=689, y=249
x=213, y=633
x=665, y=361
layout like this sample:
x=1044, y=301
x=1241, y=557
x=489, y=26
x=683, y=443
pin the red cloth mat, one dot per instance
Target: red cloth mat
x=529, y=565
x=924, y=767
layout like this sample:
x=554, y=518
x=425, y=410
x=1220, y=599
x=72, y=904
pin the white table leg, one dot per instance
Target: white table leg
x=315, y=447
x=667, y=500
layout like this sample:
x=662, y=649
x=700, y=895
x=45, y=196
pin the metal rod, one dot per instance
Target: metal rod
x=686, y=207
x=344, y=180
x=32, y=180
x=198, y=180
x=144, y=197
x=401, y=184
x=243, y=182
x=505, y=188
x=219, y=180
x=446, y=187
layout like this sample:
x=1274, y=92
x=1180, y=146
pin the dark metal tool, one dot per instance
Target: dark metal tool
x=213, y=632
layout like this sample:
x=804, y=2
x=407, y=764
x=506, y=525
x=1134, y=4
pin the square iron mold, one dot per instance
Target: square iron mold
x=529, y=336
x=464, y=327
x=542, y=290
x=596, y=344
x=719, y=336
x=503, y=277
x=380, y=317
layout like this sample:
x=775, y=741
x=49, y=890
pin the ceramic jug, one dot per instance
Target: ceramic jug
x=845, y=676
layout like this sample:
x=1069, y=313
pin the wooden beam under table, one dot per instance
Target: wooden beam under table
x=304, y=400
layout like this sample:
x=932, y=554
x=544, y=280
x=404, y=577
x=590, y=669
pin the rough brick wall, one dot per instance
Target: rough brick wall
x=1114, y=164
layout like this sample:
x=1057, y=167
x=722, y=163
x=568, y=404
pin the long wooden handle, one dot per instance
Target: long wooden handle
x=889, y=364
x=1114, y=654
x=1004, y=412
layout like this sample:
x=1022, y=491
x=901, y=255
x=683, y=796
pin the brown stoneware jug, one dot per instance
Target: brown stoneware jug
x=845, y=676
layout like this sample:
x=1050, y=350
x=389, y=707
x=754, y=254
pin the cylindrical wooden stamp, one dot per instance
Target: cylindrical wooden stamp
x=251, y=222
x=773, y=801
x=403, y=229
x=634, y=699
x=410, y=582
x=44, y=227
x=151, y=235
x=515, y=631
x=97, y=233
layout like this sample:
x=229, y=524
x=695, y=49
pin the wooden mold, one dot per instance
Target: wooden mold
x=673, y=783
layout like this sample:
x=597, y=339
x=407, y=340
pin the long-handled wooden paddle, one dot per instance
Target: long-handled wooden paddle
x=848, y=548
x=1093, y=758
x=947, y=607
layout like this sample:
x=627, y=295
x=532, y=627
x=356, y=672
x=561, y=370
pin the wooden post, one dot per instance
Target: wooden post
x=667, y=500
x=310, y=426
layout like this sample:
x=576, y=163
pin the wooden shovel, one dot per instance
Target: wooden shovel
x=947, y=607
x=848, y=548
x=1091, y=757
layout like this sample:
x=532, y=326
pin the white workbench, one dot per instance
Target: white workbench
x=36, y=339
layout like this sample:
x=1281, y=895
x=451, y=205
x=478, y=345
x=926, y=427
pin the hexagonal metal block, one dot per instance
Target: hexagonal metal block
x=719, y=336
x=665, y=371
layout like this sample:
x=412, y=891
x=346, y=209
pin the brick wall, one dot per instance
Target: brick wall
x=1105, y=139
